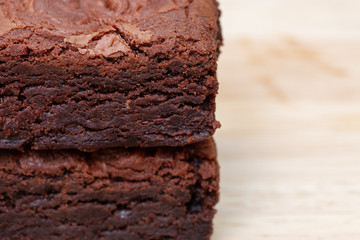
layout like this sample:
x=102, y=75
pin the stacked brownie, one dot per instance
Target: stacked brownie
x=106, y=117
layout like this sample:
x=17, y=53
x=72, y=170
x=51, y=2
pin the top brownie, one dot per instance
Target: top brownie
x=90, y=74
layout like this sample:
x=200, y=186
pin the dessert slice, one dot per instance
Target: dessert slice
x=155, y=193
x=92, y=74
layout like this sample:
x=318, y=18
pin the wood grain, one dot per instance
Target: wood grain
x=289, y=104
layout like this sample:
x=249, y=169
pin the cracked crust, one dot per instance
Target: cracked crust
x=155, y=193
x=145, y=80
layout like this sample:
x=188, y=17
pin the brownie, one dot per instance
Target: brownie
x=151, y=193
x=90, y=74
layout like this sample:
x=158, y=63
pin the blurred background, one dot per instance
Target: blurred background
x=289, y=104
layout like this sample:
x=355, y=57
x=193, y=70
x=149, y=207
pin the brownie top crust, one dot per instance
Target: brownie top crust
x=111, y=27
x=143, y=162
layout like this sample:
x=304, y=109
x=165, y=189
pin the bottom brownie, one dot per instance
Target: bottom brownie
x=155, y=193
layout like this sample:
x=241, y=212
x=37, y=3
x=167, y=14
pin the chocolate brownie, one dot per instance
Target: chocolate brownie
x=92, y=74
x=151, y=193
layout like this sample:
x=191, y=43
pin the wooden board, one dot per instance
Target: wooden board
x=289, y=103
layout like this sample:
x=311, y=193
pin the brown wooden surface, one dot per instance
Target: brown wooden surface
x=289, y=103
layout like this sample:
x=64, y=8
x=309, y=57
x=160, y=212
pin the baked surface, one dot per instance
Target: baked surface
x=154, y=193
x=91, y=74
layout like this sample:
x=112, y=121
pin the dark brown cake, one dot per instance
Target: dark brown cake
x=90, y=74
x=155, y=193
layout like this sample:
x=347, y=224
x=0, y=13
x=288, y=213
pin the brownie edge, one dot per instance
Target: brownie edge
x=106, y=73
x=154, y=193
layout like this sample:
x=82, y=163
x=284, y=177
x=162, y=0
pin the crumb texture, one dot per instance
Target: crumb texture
x=156, y=193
